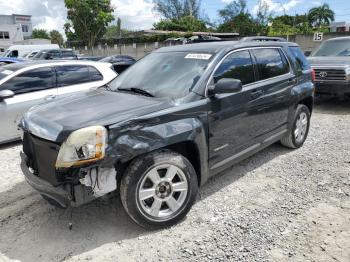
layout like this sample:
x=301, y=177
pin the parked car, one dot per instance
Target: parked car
x=10, y=60
x=119, y=62
x=164, y=126
x=263, y=39
x=55, y=54
x=20, y=50
x=27, y=84
x=30, y=54
x=202, y=39
x=90, y=58
x=331, y=62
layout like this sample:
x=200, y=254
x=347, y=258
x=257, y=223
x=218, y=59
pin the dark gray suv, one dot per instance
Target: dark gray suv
x=166, y=124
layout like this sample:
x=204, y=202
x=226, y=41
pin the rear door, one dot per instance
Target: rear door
x=275, y=84
x=31, y=88
x=77, y=78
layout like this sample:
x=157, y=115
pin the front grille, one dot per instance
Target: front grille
x=330, y=74
x=42, y=155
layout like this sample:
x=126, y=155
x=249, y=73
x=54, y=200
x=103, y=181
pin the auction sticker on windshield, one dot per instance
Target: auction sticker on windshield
x=198, y=56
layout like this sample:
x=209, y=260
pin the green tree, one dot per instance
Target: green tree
x=40, y=33
x=186, y=23
x=262, y=18
x=321, y=16
x=242, y=24
x=289, y=25
x=88, y=19
x=233, y=9
x=56, y=37
x=175, y=9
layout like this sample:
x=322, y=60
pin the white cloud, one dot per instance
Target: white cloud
x=278, y=6
x=52, y=14
x=135, y=14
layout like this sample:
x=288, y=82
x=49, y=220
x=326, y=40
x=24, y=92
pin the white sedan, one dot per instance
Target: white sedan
x=24, y=85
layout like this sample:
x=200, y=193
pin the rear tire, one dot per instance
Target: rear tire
x=297, y=135
x=158, y=189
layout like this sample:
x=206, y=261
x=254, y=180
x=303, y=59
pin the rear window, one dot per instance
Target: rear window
x=271, y=63
x=95, y=75
x=72, y=75
x=300, y=58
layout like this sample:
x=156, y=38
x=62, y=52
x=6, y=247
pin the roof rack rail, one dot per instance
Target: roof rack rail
x=263, y=39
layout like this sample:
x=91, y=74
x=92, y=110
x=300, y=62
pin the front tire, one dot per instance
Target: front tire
x=158, y=189
x=297, y=135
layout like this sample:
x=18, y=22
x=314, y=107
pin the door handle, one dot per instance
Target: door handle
x=256, y=94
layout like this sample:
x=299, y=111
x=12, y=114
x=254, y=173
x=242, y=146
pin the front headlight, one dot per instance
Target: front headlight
x=83, y=146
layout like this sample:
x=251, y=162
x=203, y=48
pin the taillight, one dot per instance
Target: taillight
x=313, y=75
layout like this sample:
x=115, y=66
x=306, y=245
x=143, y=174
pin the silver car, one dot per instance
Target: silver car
x=24, y=85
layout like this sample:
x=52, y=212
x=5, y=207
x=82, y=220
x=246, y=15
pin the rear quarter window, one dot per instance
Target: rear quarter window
x=95, y=75
x=271, y=63
x=299, y=58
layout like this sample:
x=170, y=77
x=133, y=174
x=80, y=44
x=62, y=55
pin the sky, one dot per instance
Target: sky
x=139, y=14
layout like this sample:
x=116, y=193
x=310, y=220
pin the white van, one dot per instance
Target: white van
x=21, y=50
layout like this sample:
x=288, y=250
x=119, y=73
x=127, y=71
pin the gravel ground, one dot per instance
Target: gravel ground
x=279, y=205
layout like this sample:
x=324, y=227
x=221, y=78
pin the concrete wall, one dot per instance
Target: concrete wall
x=139, y=50
x=307, y=42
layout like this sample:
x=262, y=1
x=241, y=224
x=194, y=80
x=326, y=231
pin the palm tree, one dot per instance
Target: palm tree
x=321, y=15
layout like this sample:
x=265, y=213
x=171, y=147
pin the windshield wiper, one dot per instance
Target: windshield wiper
x=106, y=87
x=136, y=90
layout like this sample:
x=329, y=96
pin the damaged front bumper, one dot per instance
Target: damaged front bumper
x=60, y=195
x=93, y=183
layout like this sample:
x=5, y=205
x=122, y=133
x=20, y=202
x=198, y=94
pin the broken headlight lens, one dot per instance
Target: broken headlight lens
x=83, y=146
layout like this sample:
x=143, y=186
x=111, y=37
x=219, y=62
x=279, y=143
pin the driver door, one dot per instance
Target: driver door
x=31, y=88
x=235, y=119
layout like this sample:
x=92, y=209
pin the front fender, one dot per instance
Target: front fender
x=139, y=138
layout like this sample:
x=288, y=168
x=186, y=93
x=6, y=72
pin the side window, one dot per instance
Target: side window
x=33, y=80
x=67, y=54
x=54, y=53
x=95, y=75
x=237, y=65
x=300, y=59
x=270, y=63
x=72, y=75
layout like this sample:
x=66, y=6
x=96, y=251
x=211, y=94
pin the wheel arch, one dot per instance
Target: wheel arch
x=309, y=102
x=186, y=137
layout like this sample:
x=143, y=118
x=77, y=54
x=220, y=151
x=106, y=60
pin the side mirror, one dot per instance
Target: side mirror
x=226, y=86
x=6, y=94
x=307, y=53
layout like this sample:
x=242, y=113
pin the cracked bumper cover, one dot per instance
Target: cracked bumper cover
x=44, y=187
x=60, y=194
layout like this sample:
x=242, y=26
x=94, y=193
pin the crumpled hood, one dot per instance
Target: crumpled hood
x=99, y=107
x=342, y=61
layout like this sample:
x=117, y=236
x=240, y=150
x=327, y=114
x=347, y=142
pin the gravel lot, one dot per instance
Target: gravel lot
x=279, y=205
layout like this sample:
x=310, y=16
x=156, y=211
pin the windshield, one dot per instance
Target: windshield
x=7, y=52
x=334, y=48
x=40, y=55
x=171, y=74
